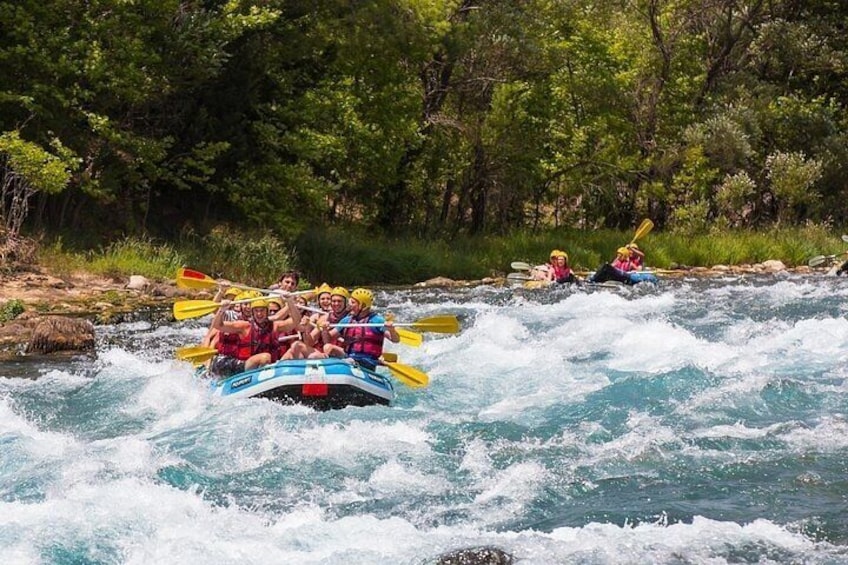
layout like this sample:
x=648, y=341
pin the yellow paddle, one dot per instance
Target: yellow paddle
x=189, y=278
x=644, y=228
x=196, y=353
x=185, y=309
x=410, y=338
x=410, y=376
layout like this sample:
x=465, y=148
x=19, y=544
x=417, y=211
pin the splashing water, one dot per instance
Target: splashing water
x=701, y=421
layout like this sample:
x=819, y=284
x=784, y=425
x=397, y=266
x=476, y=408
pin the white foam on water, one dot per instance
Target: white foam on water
x=395, y=478
x=646, y=439
x=357, y=485
x=170, y=395
x=828, y=435
x=27, y=436
x=152, y=523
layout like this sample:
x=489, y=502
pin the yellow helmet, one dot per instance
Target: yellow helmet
x=562, y=254
x=555, y=253
x=623, y=251
x=323, y=289
x=259, y=303
x=244, y=295
x=364, y=296
x=276, y=300
x=632, y=246
x=341, y=291
x=232, y=291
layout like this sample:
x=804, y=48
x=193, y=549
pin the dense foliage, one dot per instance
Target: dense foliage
x=426, y=117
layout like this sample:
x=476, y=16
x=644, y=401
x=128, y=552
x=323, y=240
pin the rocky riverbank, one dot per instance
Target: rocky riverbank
x=103, y=300
x=85, y=296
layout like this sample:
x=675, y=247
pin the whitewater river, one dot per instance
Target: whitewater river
x=700, y=421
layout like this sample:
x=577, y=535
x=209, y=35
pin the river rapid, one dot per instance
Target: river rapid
x=697, y=421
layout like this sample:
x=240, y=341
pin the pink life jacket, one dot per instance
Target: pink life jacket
x=363, y=340
x=622, y=265
x=561, y=272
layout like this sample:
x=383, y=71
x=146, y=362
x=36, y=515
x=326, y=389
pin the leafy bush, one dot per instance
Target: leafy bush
x=10, y=310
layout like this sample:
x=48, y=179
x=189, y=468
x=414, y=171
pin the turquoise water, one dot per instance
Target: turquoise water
x=694, y=422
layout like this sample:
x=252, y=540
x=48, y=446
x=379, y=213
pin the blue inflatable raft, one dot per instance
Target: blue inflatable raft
x=609, y=273
x=323, y=384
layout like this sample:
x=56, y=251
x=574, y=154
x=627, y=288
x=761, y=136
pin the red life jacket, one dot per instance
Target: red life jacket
x=561, y=272
x=364, y=341
x=245, y=350
x=262, y=338
x=228, y=344
x=257, y=340
x=624, y=265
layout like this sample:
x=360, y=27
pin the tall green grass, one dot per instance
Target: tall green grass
x=249, y=258
x=354, y=257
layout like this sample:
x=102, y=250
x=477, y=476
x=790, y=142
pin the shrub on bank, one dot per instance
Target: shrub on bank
x=10, y=310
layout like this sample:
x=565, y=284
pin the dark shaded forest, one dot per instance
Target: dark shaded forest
x=426, y=118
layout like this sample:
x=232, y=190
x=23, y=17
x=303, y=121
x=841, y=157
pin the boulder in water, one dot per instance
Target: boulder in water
x=58, y=333
x=476, y=556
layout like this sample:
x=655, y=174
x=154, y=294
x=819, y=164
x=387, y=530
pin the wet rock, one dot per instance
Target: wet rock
x=167, y=291
x=476, y=556
x=61, y=334
x=437, y=281
x=773, y=266
x=138, y=282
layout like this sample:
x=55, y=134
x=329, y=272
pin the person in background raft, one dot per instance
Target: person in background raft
x=559, y=270
x=362, y=344
x=622, y=260
x=542, y=272
x=637, y=258
x=615, y=271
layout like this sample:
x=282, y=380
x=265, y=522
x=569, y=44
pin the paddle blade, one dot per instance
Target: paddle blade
x=818, y=260
x=410, y=338
x=389, y=357
x=186, y=309
x=845, y=238
x=644, y=228
x=410, y=376
x=438, y=324
x=518, y=277
x=189, y=278
x=196, y=354
x=520, y=266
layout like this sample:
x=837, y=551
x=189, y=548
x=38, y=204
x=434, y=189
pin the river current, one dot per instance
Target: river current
x=697, y=421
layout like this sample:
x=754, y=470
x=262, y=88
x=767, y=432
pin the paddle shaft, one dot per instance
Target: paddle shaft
x=645, y=227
